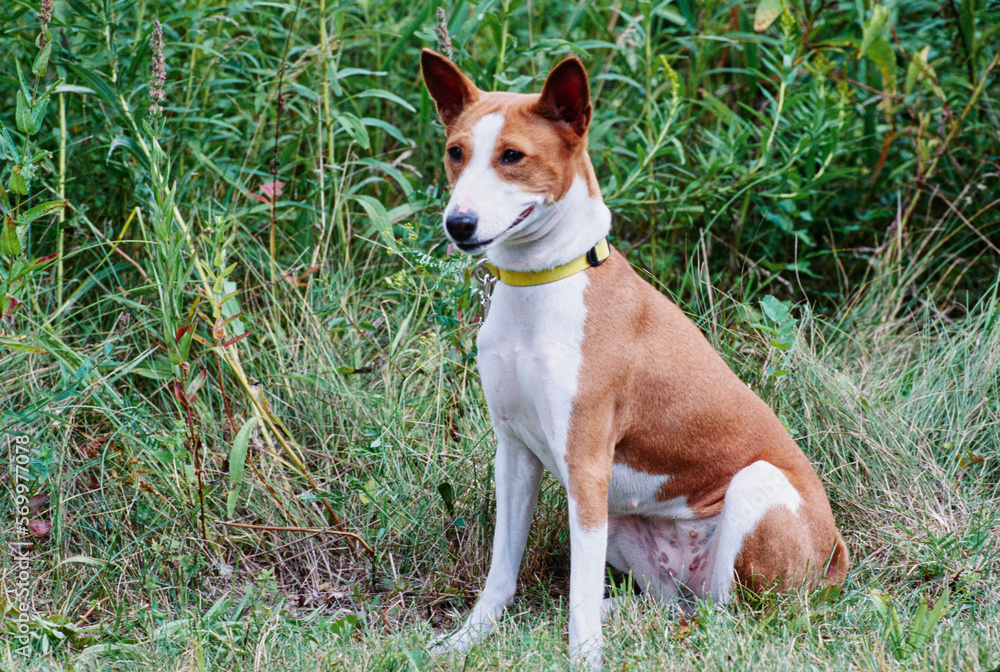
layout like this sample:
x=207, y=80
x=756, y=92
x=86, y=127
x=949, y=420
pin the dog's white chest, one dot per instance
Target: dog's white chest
x=530, y=356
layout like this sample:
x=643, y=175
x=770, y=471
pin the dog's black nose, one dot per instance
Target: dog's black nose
x=461, y=225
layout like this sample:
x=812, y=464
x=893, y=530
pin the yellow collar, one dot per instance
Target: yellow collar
x=595, y=256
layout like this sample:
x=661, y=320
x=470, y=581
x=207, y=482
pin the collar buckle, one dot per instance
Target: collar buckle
x=592, y=257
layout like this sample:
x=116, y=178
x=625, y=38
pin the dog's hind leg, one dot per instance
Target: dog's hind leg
x=518, y=473
x=761, y=507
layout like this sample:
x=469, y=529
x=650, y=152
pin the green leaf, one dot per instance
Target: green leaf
x=913, y=73
x=20, y=267
x=20, y=78
x=38, y=112
x=15, y=345
x=40, y=211
x=42, y=60
x=7, y=143
x=369, y=491
x=873, y=28
x=671, y=15
x=343, y=627
x=38, y=156
x=73, y=88
x=776, y=311
x=238, y=453
x=9, y=241
x=196, y=384
x=85, y=560
x=920, y=69
x=237, y=463
x=379, y=218
x=355, y=129
x=231, y=308
x=447, y=496
x=127, y=143
x=767, y=12
x=101, y=88
x=764, y=328
x=967, y=21
x=385, y=126
x=25, y=122
x=17, y=183
x=381, y=93
x=881, y=53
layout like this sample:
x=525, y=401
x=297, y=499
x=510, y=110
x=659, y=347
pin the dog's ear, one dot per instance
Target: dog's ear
x=566, y=96
x=451, y=90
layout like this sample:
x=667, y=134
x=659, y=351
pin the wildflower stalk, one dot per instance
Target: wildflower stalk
x=157, y=79
x=158, y=71
x=444, y=39
x=14, y=218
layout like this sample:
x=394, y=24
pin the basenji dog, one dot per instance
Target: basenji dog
x=674, y=469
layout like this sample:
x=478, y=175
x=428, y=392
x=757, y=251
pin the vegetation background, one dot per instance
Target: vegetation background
x=242, y=422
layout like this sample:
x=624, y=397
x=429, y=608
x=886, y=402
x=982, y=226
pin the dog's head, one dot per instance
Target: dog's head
x=510, y=157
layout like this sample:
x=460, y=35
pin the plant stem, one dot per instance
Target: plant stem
x=61, y=244
x=503, y=41
x=324, y=50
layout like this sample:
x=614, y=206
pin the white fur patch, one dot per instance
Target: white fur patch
x=633, y=492
x=530, y=353
x=586, y=589
x=753, y=491
x=555, y=233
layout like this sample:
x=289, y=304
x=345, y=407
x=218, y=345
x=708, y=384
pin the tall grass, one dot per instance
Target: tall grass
x=247, y=378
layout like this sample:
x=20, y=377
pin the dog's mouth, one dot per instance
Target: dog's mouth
x=476, y=246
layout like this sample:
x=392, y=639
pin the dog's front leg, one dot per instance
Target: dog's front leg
x=517, y=472
x=588, y=541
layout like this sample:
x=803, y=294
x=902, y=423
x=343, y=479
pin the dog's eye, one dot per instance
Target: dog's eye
x=511, y=156
x=455, y=153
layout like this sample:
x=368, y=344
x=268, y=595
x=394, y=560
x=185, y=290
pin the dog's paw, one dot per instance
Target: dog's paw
x=592, y=662
x=587, y=655
x=440, y=646
x=456, y=642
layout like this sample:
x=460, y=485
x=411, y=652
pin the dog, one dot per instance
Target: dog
x=674, y=469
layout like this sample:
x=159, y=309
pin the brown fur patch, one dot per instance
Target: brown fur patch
x=785, y=553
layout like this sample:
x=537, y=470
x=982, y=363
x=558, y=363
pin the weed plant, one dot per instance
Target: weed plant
x=241, y=354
